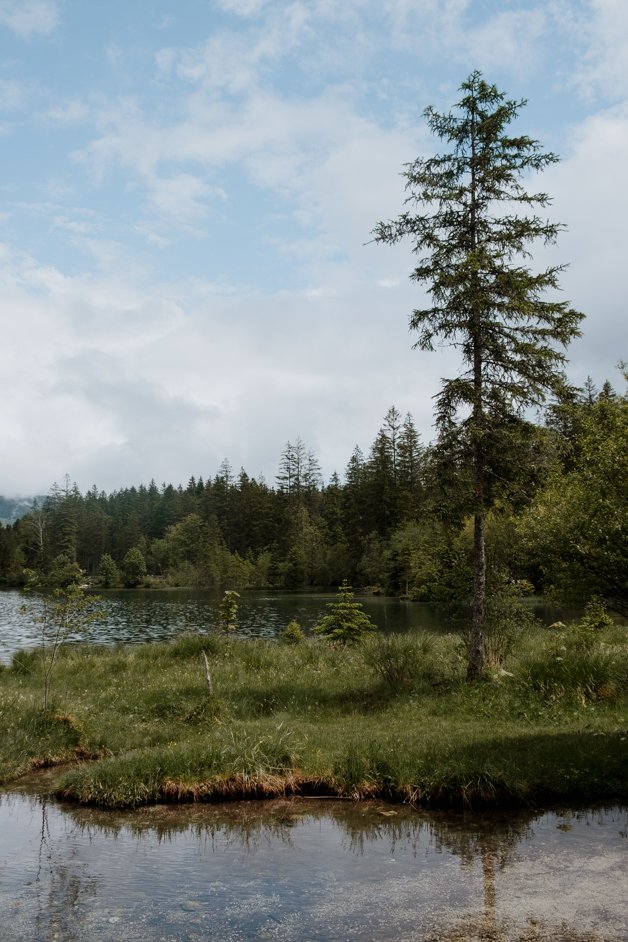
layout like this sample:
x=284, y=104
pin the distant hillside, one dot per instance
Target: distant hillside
x=12, y=508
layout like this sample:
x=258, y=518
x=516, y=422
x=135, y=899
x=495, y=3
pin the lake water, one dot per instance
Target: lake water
x=153, y=615
x=309, y=871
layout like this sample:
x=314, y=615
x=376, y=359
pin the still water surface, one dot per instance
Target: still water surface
x=309, y=870
x=153, y=615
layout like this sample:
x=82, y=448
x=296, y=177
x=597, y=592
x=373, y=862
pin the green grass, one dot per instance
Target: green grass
x=392, y=717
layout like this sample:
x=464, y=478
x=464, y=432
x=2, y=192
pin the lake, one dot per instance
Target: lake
x=309, y=871
x=154, y=615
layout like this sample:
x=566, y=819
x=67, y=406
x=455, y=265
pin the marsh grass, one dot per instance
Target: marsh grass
x=408, y=661
x=578, y=664
x=391, y=717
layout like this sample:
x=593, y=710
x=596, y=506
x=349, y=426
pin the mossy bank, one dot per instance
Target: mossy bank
x=391, y=717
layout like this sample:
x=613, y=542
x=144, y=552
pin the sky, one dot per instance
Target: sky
x=187, y=196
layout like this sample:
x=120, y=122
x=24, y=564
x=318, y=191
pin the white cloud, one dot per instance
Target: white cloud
x=165, y=22
x=236, y=60
x=243, y=8
x=13, y=95
x=152, y=236
x=75, y=225
x=605, y=33
x=336, y=171
x=589, y=200
x=511, y=39
x=27, y=18
x=129, y=378
x=182, y=198
x=131, y=369
x=71, y=112
x=114, y=55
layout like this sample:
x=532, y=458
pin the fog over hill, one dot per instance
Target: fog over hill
x=12, y=508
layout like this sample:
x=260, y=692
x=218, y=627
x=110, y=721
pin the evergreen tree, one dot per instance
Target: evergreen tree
x=471, y=222
x=292, y=469
x=380, y=489
x=312, y=480
x=346, y=621
x=92, y=530
x=410, y=455
x=62, y=506
x=35, y=526
x=355, y=516
x=391, y=431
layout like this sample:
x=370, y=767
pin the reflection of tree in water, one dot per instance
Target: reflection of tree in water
x=248, y=825
x=493, y=840
x=488, y=841
x=61, y=890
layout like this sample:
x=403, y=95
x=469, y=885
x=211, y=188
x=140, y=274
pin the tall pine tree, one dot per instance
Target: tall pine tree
x=471, y=222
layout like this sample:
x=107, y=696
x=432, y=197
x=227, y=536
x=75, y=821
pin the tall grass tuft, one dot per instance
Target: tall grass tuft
x=577, y=665
x=402, y=662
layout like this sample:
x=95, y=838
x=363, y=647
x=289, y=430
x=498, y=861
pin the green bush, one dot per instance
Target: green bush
x=595, y=617
x=293, y=633
x=134, y=568
x=191, y=644
x=402, y=661
x=228, y=611
x=26, y=662
x=107, y=574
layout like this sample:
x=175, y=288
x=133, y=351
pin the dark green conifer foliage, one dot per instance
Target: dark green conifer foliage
x=471, y=222
x=346, y=621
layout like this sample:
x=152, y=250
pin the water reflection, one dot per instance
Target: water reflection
x=304, y=869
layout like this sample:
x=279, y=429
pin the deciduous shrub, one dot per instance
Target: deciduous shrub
x=228, y=611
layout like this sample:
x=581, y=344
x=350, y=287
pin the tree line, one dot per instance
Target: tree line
x=399, y=521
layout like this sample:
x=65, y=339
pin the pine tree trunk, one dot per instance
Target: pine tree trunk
x=475, y=668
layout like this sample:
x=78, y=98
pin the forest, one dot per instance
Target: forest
x=399, y=521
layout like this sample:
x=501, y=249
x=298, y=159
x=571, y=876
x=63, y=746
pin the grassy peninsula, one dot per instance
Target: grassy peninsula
x=391, y=717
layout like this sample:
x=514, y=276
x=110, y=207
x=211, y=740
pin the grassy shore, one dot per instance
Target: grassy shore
x=392, y=717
